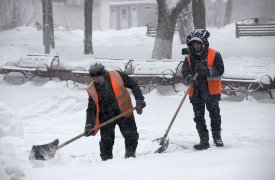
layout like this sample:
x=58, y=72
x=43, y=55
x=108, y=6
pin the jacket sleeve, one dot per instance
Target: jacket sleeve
x=91, y=112
x=133, y=85
x=186, y=71
x=218, y=67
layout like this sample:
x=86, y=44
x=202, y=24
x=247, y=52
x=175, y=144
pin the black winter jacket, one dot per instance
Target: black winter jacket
x=201, y=93
x=107, y=101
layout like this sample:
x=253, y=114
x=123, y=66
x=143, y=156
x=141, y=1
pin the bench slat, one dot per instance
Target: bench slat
x=255, y=27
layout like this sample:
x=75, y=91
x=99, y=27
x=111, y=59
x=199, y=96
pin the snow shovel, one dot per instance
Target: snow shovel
x=163, y=141
x=47, y=151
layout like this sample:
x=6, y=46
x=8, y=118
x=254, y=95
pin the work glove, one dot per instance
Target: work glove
x=189, y=80
x=140, y=104
x=201, y=69
x=88, y=130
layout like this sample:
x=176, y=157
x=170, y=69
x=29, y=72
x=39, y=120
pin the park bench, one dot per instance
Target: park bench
x=255, y=27
x=81, y=74
x=31, y=66
x=152, y=30
x=235, y=85
x=152, y=73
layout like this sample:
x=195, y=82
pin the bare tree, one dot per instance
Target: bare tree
x=14, y=13
x=166, y=28
x=228, y=12
x=88, y=15
x=48, y=19
x=185, y=23
x=198, y=11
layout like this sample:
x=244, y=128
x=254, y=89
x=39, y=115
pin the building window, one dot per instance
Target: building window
x=147, y=7
x=123, y=12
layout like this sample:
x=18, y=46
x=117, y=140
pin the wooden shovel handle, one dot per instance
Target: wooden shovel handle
x=98, y=127
x=179, y=107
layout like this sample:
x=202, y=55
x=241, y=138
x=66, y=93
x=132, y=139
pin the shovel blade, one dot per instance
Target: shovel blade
x=163, y=142
x=45, y=151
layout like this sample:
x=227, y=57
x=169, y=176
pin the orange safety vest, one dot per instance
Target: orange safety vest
x=214, y=84
x=121, y=94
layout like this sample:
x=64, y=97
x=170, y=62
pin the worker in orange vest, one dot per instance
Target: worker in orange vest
x=206, y=90
x=108, y=97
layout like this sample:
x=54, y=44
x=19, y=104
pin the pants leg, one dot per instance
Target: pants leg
x=199, y=111
x=214, y=114
x=107, y=141
x=128, y=130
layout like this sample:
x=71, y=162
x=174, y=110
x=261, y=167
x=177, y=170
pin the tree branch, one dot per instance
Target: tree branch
x=176, y=10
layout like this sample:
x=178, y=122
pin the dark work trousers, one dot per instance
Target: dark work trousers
x=214, y=114
x=128, y=130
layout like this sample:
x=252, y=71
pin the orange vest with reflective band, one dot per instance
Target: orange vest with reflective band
x=121, y=94
x=214, y=84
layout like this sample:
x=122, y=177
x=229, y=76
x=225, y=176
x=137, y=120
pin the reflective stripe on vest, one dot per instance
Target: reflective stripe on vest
x=214, y=83
x=121, y=94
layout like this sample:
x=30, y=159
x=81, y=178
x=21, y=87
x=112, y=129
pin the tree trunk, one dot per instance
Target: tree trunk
x=49, y=20
x=43, y=20
x=88, y=14
x=228, y=12
x=198, y=11
x=166, y=28
x=52, y=41
x=185, y=24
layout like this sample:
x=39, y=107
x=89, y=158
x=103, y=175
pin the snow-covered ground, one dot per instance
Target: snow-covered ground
x=40, y=111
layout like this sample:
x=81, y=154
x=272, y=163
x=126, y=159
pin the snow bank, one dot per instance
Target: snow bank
x=9, y=123
x=13, y=158
x=12, y=146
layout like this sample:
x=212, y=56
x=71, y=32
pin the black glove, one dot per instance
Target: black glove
x=201, y=69
x=140, y=104
x=88, y=130
x=189, y=80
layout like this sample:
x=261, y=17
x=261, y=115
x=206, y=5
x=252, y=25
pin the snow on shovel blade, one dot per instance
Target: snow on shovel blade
x=44, y=152
x=163, y=142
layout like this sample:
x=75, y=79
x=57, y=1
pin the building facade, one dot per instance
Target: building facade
x=107, y=14
x=126, y=14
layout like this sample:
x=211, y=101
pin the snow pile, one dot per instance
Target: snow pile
x=13, y=158
x=9, y=124
x=12, y=146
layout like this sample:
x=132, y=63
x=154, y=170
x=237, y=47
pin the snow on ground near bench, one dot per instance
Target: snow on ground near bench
x=53, y=111
x=131, y=43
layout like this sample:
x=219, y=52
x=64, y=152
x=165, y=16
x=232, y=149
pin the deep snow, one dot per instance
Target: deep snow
x=40, y=111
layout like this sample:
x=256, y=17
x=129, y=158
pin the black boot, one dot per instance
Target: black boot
x=204, y=142
x=128, y=155
x=130, y=149
x=217, y=138
x=105, y=151
x=105, y=158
